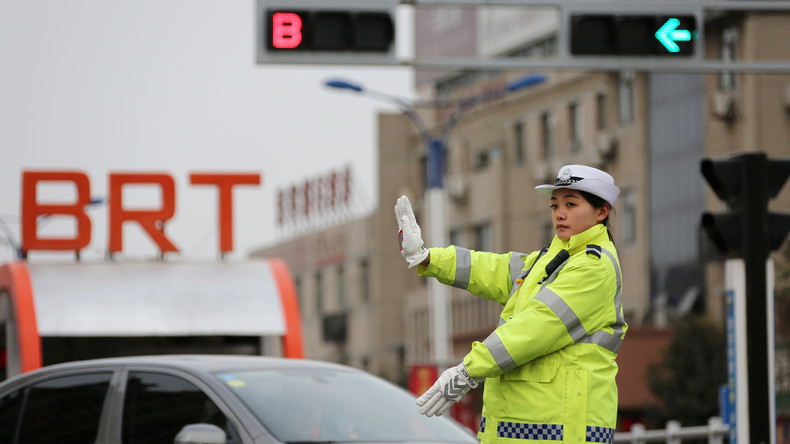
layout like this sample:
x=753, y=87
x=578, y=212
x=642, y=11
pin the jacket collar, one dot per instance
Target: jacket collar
x=581, y=240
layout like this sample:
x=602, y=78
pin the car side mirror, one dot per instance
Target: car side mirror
x=200, y=434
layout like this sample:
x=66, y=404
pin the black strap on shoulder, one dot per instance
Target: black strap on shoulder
x=558, y=260
x=542, y=252
x=563, y=256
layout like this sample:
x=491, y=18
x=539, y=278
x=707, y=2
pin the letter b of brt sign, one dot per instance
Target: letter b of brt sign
x=321, y=32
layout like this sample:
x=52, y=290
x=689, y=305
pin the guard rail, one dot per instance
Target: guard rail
x=716, y=432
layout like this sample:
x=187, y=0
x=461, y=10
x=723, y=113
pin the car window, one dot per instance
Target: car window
x=320, y=405
x=62, y=409
x=10, y=406
x=156, y=406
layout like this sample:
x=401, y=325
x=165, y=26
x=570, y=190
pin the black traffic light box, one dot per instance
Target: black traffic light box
x=599, y=34
x=746, y=183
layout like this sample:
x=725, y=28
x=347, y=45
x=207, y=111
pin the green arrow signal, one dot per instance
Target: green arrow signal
x=668, y=34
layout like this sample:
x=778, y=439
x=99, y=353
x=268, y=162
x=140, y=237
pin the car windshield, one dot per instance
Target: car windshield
x=337, y=406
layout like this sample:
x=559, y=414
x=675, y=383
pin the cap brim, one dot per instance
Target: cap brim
x=548, y=189
x=605, y=191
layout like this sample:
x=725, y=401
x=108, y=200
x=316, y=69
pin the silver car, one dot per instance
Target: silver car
x=212, y=399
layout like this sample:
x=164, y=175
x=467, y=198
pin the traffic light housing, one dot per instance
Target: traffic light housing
x=316, y=32
x=600, y=34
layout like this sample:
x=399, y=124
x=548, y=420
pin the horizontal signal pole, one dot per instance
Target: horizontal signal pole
x=757, y=5
x=604, y=64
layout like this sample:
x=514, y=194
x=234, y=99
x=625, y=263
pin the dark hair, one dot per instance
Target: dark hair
x=597, y=202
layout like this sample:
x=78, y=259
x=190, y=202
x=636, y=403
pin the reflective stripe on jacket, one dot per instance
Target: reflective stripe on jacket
x=549, y=366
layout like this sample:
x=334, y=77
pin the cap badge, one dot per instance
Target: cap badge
x=565, y=178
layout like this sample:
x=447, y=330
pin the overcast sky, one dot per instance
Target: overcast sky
x=172, y=86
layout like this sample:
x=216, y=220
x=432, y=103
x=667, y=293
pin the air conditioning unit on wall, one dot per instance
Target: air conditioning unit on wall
x=606, y=146
x=723, y=105
x=335, y=327
x=458, y=188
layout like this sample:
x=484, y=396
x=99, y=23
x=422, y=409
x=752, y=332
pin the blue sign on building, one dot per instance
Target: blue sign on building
x=729, y=392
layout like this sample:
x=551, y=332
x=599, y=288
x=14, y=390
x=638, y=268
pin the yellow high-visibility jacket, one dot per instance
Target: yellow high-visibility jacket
x=549, y=367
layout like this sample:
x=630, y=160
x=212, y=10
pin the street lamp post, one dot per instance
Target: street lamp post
x=435, y=193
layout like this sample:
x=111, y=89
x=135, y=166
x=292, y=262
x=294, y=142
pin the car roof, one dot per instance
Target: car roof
x=192, y=363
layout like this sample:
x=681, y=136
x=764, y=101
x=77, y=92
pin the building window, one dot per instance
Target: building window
x=484, y=240
x=443, y=19
x=629, y=216
x=518, y=143
x=458, y=237
x=341, y=288
x=319, y=293
x=576, y=126
x=546, y=134
x=600, y=108
x=626, y=95
x=364, y=279
x=480, y=159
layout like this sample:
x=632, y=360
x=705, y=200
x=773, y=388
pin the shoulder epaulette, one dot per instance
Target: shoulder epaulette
x=594, y=250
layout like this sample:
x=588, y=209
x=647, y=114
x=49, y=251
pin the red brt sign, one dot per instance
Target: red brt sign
x=150, y=220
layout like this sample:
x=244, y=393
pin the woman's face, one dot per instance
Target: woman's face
x=572, y=214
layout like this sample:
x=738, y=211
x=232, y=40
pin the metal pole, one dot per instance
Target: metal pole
x=435, y=198
x=755, y=253
x=439, y=293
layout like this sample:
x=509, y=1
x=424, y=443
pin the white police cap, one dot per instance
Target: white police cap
x=583, y=178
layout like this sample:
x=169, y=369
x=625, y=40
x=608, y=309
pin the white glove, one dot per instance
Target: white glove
x=409, y=233
x=451, y=386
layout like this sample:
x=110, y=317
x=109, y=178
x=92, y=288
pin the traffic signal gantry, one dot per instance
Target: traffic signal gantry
x=591, y=35
x=748, y=230
x=354, y=32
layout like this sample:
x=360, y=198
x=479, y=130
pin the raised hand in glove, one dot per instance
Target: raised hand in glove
x=451, y=386
x=409, y=233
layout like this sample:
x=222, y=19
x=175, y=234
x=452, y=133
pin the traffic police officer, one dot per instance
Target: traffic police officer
x=549, y=367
